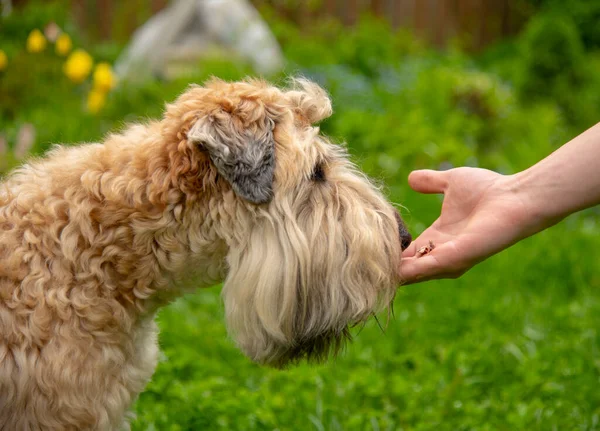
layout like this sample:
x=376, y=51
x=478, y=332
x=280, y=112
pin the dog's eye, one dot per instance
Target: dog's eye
x=318, y=174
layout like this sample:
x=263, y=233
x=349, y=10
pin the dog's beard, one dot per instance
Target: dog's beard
x=314, y=349
x=306, y=275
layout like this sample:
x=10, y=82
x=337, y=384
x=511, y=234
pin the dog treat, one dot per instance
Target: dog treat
x=426, y=249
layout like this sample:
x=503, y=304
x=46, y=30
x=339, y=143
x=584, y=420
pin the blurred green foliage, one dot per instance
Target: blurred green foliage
x=514, y=344
x=585, y=14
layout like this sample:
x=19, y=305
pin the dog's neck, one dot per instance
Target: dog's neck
x=155, y=202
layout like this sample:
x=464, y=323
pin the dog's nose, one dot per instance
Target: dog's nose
x=405, y=236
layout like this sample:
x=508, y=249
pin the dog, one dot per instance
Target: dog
x=234, y=184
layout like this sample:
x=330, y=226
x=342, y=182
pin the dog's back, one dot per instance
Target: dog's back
x=58, y=348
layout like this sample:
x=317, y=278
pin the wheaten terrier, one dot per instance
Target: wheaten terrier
x=234, y=184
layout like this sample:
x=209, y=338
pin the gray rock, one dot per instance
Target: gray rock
x=189, y=30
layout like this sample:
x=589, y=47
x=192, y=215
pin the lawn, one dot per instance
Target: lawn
x=512, y=345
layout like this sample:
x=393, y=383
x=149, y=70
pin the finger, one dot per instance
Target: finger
x=418, y=269
x=428, y=181
x=410, y=251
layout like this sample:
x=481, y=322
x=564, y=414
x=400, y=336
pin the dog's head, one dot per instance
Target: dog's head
x=313, y=247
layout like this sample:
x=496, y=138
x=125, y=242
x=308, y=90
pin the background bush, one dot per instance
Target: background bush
x=514, y=344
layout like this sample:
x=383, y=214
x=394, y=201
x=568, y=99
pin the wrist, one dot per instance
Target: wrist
x=538, y=209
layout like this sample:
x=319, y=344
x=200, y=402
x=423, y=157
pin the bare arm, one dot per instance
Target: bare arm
x=568, y=180
x=484, y=212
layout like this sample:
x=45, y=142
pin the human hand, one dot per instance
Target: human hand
x=483, y=213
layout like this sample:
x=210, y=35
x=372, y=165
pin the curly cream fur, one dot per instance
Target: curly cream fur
x=95, y=238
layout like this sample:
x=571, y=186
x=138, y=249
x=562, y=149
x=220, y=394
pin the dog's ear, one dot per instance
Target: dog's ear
x=243, y=155
x=311, y=101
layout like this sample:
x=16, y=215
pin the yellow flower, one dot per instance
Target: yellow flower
x=78, y=66
x=63, y=44
x=96, y=100
x=36, y=42
x=3, y=60
x=104, y=78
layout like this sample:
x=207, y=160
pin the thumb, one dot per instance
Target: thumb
x=428, y=181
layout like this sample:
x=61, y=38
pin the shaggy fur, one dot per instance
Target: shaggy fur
x=234, y=184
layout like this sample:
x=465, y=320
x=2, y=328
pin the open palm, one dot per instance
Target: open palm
x=481, y=215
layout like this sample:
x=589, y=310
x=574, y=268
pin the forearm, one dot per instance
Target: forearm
x=565, y=182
